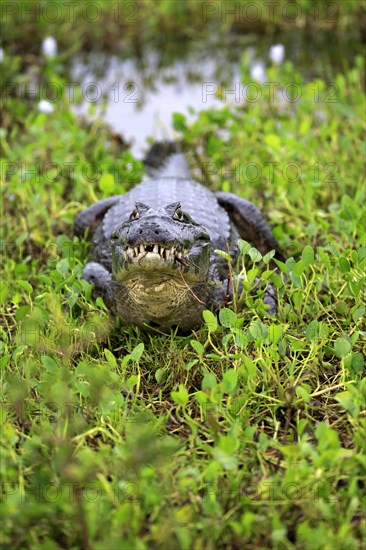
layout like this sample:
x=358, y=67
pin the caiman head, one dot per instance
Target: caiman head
x=160, y=263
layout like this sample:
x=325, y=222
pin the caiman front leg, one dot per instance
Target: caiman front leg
x=249, y=222
x=251, y=227
x=225, y=293
x=92, y=216
x=269, y=298
x=102, y=280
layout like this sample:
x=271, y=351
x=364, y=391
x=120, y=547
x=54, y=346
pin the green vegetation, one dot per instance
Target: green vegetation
x=249, y=433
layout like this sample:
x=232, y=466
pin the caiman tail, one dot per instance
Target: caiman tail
x=165, y=159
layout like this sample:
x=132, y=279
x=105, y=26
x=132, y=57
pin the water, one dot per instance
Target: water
x=138, y=95
x=138, y=110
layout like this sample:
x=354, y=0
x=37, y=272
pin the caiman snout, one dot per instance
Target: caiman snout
x=167, y=226
x=150, y=230
x=167, y=238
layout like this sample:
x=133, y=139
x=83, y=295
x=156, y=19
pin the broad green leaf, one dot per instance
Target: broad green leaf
x=297, y=298
x=4, y=293
x=342, y=347
x=228, y=443
x=250, y=367
x=255, y=255
x=132, y=381
x=26, y=286
x=308, y=255
x=100, y=303
x=227, y=317
x=201, y=397
x=257, y=330
x=63, y=266
x=301, y=425
x=244, y=246
x=137, y=352
x=358, y=362
x=268, y=257
x=179, y=122
x=303, y=393
x=210, y=320
x=198, y=347
x=347, y=401
x=344, y=264
x=281, y=265
x=327, y=437
x=275, y=333
x=49, y=364
x=181, y=396
x=229, y=380
x=312, y=331
x=298, y=268
x=356, y=287
x=251, y=274
x=21, y=312
x=159, y=375
x=126, y=359
x=358, y=313
x=112, y=362
x=209, y=381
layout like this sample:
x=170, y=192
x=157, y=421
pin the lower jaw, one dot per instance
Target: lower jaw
x=162, y=310
x=154, y=271
x=161, y=300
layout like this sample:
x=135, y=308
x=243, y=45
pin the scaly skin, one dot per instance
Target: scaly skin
x=153, y=254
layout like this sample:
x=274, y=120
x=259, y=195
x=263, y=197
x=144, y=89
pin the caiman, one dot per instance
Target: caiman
x=152, y=257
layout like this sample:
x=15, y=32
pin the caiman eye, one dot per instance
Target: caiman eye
x=180, y=216
x=135, y=214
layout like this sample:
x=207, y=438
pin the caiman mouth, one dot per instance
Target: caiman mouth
x=155, y=253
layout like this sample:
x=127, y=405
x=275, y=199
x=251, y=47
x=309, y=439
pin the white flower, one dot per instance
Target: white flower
x=45, y=106
x=257, y=72
x=1, y=55
x=277, y=53
x=49, y=47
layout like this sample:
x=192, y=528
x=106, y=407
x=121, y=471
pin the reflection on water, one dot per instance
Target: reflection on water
x=137, y=110
x=139, y=103
x=137, y=96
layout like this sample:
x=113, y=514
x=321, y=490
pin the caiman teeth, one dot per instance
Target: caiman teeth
x=166, y=253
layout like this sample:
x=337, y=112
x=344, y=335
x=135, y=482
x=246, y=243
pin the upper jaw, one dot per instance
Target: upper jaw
x=163, y=259
x=156, y=252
